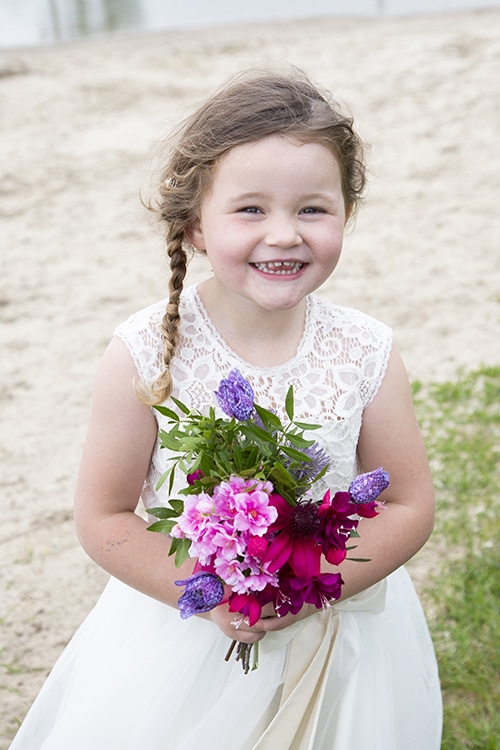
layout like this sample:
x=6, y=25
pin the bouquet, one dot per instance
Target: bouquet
x=247, y=513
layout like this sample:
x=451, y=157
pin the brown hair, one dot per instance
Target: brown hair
x=251, y=106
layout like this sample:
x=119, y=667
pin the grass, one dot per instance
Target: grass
x=461, y=425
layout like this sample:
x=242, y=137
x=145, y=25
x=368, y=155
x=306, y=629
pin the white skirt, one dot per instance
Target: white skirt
x=137, y=677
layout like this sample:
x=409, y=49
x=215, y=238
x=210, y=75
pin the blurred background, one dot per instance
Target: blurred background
x=35, y=22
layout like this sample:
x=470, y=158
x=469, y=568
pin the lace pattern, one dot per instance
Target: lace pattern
x=336, y=372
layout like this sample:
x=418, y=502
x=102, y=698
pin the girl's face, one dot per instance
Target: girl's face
x=272, y=222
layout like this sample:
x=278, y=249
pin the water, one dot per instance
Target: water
x=37, y=22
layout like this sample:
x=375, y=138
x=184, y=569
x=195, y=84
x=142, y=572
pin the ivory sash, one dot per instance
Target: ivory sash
x=311, y=651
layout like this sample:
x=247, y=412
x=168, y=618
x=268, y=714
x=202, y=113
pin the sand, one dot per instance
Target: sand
x=79, y=254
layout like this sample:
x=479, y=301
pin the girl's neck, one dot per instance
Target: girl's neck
x=264, y=338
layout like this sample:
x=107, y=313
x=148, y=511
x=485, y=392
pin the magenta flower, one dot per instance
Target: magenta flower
x=335, y=513
x=296, y=542
x=204, y=591
x=247, y=605
x=235, y=396
x=192, y=478
x=318, y=590
x=250, y=605
x=257, y=547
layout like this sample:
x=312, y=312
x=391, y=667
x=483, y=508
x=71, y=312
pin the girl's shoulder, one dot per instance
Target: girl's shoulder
x=335, y=320
x=147, y=322
x=142, y=334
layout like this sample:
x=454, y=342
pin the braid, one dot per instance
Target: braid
x=162, y=387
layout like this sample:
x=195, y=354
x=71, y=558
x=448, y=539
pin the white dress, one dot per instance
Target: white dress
x=360, y=676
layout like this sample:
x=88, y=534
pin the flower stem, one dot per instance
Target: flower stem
x=230, y=651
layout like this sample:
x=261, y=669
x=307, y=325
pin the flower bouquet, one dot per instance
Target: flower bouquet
x=247, y=513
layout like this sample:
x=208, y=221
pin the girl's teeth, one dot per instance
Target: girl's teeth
x=279, y=267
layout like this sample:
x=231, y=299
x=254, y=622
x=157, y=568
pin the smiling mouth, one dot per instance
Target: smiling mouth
x=279, y=268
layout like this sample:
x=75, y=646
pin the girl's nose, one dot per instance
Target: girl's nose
x=282, y=233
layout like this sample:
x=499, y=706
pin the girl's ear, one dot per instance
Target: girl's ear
x=195, y=235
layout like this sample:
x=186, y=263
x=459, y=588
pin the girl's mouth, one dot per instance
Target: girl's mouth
x=279, y=268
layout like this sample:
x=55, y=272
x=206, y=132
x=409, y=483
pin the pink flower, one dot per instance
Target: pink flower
x=253, y=512
x=231, y=573
x=227, y=543
x=195, y=518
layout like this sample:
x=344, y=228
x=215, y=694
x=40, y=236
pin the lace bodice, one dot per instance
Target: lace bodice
x=336, y=372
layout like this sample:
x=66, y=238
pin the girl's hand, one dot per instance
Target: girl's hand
x=270, y=621
x=236, y=626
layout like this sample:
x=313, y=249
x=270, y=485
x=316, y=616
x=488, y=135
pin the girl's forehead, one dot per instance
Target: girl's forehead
x=274, y=150
x=276, y=165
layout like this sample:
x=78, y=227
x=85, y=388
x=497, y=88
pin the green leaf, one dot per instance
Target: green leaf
x=177, y=505
x=184, y=409
x=321, y=473
x=164, y=527
x=171, y=480
x=167, y=412
x=295, y=454
x=182, y=551
x=163, y=512
x=270, y=420
x=170, y=440
x=298, y=440
x=289, y=403
x=257, y=434
x=162, y=479
x=280, y=475
x=305, y=426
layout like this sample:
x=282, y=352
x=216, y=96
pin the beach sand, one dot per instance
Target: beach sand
x=79, y=253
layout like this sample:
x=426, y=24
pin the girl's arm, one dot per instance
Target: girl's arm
x=389, y=437
x=116, y=455
x=115, y=460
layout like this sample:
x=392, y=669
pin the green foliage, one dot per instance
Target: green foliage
x=214, y=448
x=461, y=425
x=260, y=448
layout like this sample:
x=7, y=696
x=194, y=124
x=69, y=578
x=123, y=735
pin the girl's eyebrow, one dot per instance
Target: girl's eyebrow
x=319, y=196
x=255, y=195
x=247, y=196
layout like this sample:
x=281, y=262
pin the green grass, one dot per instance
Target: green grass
x=461, y=425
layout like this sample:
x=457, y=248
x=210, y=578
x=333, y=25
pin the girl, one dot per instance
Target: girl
x=262, y=179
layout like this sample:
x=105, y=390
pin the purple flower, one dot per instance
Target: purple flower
x=309, y=469
x=204, y=591
x=235, y=396
x=365, y=488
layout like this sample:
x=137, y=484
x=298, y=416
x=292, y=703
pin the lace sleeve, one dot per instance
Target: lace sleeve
x=141, y=334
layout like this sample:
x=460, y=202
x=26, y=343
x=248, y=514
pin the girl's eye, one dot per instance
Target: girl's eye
x=250, y=210
x=312, y=210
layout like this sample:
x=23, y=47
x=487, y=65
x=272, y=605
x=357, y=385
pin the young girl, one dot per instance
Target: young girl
x=262, y=179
